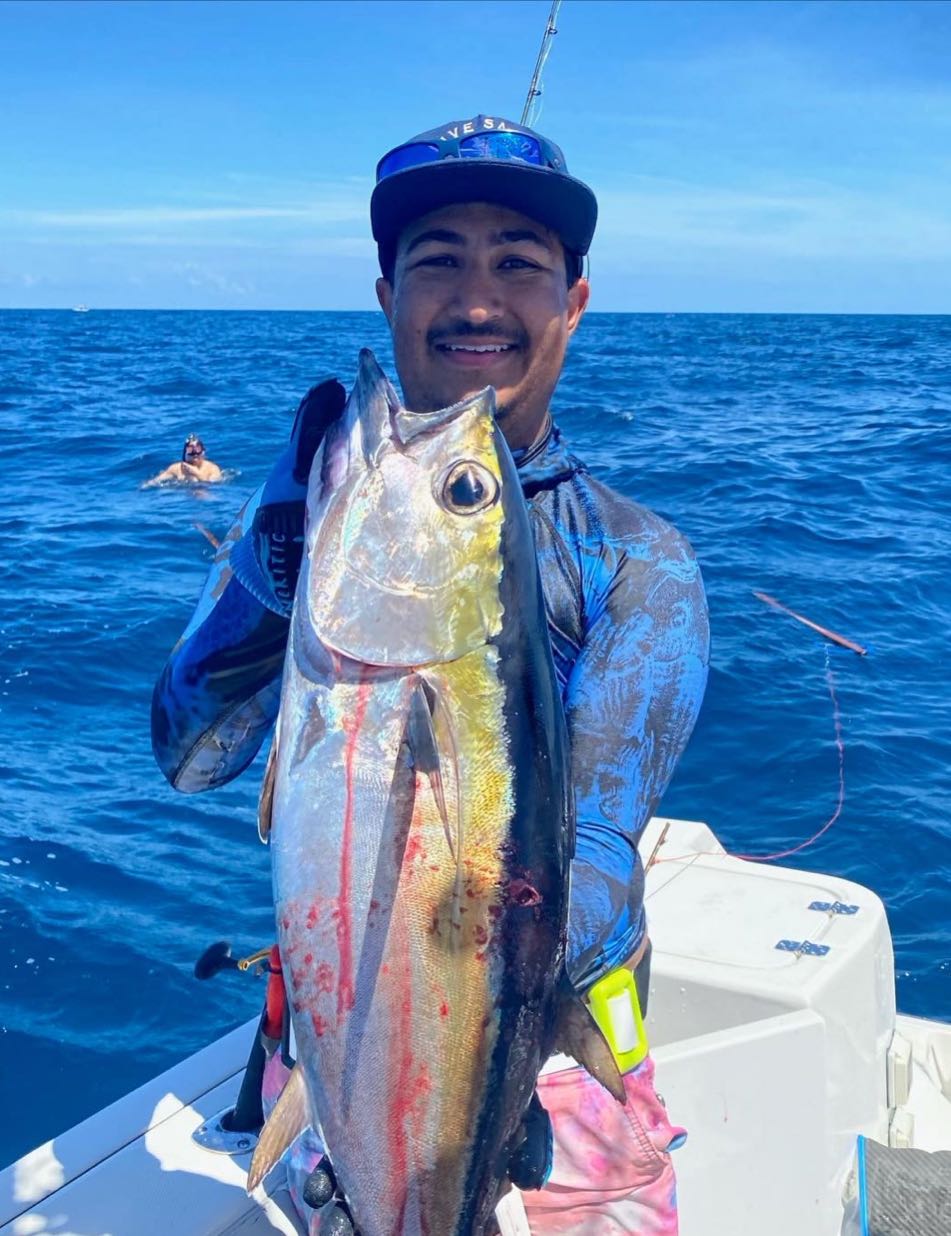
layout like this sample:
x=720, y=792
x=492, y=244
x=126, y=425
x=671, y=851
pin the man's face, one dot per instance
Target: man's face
x=480, y=298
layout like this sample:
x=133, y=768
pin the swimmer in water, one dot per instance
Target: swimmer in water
x=192, y=467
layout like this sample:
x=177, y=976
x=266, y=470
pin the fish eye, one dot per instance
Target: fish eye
x=468, y=488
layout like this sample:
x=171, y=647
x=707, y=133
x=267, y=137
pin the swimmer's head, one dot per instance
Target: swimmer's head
x=193, y=449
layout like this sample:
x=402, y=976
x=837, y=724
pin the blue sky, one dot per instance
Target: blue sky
x=780, y=156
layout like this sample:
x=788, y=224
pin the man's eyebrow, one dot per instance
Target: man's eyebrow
x=514, y=235
x=441, y=235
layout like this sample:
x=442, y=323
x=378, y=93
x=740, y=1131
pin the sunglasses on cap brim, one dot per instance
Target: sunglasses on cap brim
x=506, y=147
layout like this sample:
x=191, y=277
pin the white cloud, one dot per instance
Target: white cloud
x=197, y=275
x=336, y=246
x=340, y=210
x=806, y=219
x=21, y=280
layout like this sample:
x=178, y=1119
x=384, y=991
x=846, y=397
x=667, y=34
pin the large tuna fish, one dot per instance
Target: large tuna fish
x=420, y=821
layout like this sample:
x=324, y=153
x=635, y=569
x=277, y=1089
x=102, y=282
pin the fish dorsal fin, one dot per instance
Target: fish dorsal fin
x=577, y=1034
x=286, y=1122
x=266, y=799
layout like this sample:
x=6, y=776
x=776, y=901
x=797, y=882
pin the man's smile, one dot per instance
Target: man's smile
x=476, y=355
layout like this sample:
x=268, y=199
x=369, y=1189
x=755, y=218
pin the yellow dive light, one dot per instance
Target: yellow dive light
x=617, y=1010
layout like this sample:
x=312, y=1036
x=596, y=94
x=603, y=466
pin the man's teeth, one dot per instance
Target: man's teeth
x=485, y=347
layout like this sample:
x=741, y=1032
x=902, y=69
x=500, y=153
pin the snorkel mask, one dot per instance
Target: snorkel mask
x=193, y=446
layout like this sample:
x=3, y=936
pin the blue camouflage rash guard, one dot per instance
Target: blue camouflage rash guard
x=627, y=618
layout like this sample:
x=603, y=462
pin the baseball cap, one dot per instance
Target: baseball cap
x=485, y=159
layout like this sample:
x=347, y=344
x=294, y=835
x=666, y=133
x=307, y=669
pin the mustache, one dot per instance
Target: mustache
x=460, y=329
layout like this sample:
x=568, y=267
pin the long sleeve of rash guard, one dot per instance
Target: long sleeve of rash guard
x=219, y=693
x=631, y=702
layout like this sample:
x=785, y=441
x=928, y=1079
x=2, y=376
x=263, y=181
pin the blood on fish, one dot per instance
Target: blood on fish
x=420, y=1089
x=416, y=1086
x=345, y=993
x=523, y=894
x=308, y=959
x=320, y=1024
x=444, y=1009
x=414, y=848
x=313, y=914
x=324, y=977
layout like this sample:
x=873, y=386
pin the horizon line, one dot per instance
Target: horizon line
x=733, y=313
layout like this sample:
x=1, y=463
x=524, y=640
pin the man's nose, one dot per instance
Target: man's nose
x=478, y=296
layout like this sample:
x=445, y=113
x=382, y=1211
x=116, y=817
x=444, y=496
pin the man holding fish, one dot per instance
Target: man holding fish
x=495, y=663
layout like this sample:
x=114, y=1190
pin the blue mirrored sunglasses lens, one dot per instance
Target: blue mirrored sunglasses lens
x=502, y=146
x=407, y=156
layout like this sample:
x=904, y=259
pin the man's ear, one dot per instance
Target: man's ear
x=578, y=296
x=384, y=294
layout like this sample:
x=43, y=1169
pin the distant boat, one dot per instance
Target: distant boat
x=80, y=308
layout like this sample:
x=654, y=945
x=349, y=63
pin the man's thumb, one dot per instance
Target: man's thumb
x=318, y=410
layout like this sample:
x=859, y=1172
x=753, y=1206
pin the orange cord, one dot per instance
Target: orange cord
x=766, y=858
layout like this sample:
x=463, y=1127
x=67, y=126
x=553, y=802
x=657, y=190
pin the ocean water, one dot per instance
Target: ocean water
x=807, y=457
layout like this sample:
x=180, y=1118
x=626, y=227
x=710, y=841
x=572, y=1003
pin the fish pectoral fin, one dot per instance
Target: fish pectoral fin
x=286, y=1122
x=577, y=1034
x=266, y=800
x=424, y=749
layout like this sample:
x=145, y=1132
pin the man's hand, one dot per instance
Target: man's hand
x=191, y=471
x=276, y=535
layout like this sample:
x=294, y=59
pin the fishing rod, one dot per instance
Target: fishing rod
x=530, y=110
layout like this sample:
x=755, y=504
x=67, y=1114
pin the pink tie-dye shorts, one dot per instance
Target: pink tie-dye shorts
x=611, y=1171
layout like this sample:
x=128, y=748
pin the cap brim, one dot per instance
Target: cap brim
x=558, y=201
